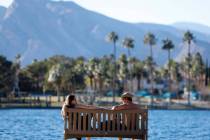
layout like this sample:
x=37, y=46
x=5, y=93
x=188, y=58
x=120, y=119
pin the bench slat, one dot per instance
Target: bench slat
x=128, y=121
x=114, y=122
x=109, y=121
x=74, y=121
x=89, y=121
x=99, y=121
x=104, y=121
x=118, y=121
x=94, y=121
x=70, y=119
x=84, y=121
x=137, y=121
x=133, y=118
x=123, y=122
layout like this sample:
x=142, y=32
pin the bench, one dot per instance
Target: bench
x=105, y=123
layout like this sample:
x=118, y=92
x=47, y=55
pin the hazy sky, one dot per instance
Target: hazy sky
x=157, y=11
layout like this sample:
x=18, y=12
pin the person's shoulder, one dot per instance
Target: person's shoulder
x=136, y=106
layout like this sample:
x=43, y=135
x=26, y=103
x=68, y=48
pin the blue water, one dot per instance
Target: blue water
x=43, y=124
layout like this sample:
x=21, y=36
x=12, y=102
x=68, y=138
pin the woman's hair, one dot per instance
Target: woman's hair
x=69, y=100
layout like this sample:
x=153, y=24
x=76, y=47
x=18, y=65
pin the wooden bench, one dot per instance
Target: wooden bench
x=105, y=123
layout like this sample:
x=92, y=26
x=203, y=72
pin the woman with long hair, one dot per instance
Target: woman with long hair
x=71, y=102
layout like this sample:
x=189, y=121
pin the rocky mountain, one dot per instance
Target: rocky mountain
x=192, y=26
x=38, y=29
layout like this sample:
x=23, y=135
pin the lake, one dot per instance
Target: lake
x=47, y=124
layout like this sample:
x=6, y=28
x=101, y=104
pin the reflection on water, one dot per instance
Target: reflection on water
x=43, y=124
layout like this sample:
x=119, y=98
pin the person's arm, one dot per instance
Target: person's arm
x=114, y=107
x=87, y=106
x=63, y=111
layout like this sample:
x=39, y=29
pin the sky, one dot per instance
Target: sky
x=153, y=11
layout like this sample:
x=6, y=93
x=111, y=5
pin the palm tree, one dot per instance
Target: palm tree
x=129, y=44
x=198, y=68
x=168, y=45
x=189, y=39
x=55, y=74
x=113, y=38
x=123, y=70
x=17, y=65
x=137, y=70
x=151, y=40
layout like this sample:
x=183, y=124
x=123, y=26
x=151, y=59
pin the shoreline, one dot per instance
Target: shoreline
x=149, y=108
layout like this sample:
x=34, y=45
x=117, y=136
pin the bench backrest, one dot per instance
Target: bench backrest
x=106, y=122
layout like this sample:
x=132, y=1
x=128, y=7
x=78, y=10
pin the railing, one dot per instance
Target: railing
x=105, y=123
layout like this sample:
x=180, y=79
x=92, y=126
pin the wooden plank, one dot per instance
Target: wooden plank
x=123, y=122
x=137, y=121
x=133, y=116
x=74, y=121
x=99, y=121
x=94, y=121
x=79, y=121
x=142, y=122
x=89, y=121
x=104, y=121
x=128, y=121
x=109, y=122
x=118, y=121
x=114, y=122
x=70, y=120
x=84, y=121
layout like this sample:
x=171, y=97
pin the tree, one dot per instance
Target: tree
x=123, y=70
x=151, y=40
x=113, y=38
x=189, y=38
x=37, y=72
x=16, y=66
x=198, y=68
x=129, y=44
x=55, y=77
x=7, y=75
x=168, y=45
x=137, y=70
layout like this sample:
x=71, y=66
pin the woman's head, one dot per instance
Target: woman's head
x=71, y=100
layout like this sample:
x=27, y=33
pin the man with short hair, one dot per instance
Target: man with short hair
x=127, y=102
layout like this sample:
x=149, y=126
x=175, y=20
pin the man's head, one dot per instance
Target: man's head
x=126, y=97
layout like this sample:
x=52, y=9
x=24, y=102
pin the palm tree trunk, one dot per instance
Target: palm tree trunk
x=189, y=67
x=115, y=72
x=169, y=73
x=129, y=72
x=152, y=78
x=138, y=82
x=91, y=83
x=58, y=93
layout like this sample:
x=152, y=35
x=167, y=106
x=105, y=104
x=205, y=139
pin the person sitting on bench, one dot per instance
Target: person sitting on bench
x=126, y=103
x=71, y=102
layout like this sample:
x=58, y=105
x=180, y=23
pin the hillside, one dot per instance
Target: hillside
x=38, y=29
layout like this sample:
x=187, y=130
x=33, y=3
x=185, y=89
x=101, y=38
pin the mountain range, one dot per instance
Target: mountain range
x=38, y=29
